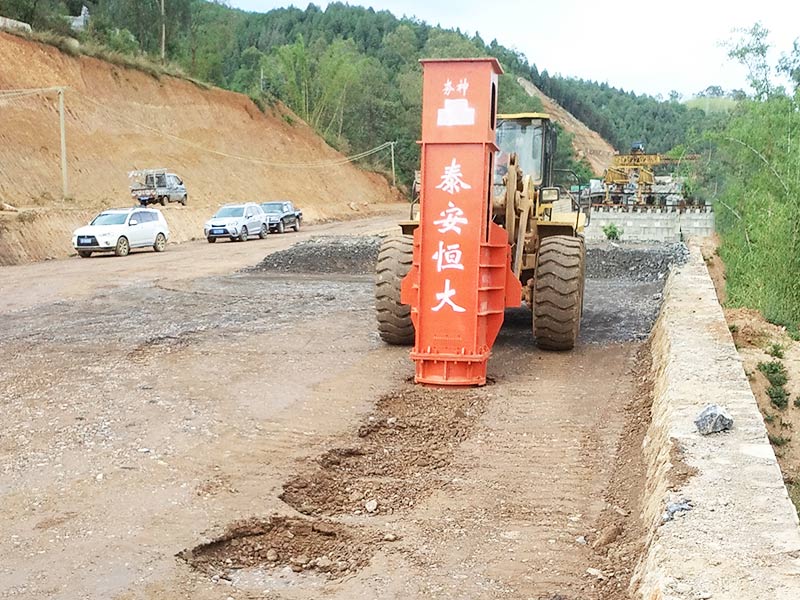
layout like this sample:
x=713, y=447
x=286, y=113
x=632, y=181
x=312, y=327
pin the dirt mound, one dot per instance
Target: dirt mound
x=117, y=120
x=300, y=544
x=587, y=143
x=354, y=255
x=402, y=449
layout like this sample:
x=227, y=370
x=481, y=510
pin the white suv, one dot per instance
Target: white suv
x=237, y=222
x=120, y=230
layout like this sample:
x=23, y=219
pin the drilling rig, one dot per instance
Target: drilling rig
x=486, y=238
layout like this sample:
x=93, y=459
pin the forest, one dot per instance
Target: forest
x=349, y=72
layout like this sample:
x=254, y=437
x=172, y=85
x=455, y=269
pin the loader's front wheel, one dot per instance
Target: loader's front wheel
x=558, y=292
x=394, y=318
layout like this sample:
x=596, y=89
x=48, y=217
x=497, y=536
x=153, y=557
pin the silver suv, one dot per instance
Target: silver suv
x=237, y=222
x=119, y=230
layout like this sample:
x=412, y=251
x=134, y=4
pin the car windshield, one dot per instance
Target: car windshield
x=110, y=219
x=230, y=211
x=273, y=207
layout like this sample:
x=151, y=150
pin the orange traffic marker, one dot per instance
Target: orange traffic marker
x=460, y=282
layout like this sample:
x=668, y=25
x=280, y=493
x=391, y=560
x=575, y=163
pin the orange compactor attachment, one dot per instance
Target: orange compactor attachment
x=460, y=281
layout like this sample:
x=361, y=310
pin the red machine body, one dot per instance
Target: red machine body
x=461, y=281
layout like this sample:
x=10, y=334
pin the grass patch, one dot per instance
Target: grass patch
x=778, y=440
x=775, y=349
x=142, y=62
x=612, y=232
x=775, y=372
x=778, y=396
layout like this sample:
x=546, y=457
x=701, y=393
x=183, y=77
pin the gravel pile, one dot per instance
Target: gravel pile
x=354, y=255
x=636, y=262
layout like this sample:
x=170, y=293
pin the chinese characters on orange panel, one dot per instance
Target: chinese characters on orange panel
x=452, y=219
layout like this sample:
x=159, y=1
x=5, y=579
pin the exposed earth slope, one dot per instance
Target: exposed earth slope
x=118, y=119
x=587, y=143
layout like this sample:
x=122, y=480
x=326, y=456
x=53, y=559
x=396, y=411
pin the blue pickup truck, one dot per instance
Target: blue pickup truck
x=282, y=215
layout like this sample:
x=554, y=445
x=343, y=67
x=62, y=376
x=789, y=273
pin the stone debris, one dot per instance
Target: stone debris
x=676, y=509
x=713, y=419
x=371, y=506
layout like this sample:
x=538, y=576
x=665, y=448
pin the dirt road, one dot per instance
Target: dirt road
x=180, y=401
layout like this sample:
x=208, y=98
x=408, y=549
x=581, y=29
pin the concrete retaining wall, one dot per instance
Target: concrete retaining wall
x=741, y=540
x=654, y=224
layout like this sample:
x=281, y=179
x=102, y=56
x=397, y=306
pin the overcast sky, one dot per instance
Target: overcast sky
x=648, y=47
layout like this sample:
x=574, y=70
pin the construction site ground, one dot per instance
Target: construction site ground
x=223, y=427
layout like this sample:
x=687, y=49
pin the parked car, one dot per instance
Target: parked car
x=120, y=230
x=237, y=222
x=282, y=215
x=152, y=186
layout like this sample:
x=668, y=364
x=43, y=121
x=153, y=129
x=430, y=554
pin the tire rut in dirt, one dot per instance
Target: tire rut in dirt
x=402, y=453
x=301, y=544
x=394, y=318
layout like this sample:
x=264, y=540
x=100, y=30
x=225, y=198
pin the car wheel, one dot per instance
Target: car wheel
x=211, y=240
x=163, y=201
x=264, y=231
x=84, y=253
x=184, y=199
x=123, y=248
x=281, y=227
x=297, y=224
x=161, y=243
x=243, y=235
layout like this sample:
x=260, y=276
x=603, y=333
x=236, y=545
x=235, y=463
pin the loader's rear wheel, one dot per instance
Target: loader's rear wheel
x=558, y=292
x=394, y=318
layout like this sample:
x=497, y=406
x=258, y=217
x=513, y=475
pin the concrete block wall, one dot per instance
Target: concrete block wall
x=652, y=224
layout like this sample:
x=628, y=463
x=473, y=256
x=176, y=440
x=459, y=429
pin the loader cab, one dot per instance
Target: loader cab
x=532, y=136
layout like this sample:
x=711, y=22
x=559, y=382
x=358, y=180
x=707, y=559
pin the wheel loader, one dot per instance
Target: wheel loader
x=526, y=252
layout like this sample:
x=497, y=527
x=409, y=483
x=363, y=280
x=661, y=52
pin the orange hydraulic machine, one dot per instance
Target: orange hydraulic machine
x=460, y=280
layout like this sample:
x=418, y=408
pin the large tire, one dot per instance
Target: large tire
x=558, y=292
x=264, y=231
x=85, y=253
x=243, y=234
x=297, y=224
x=123, y=247
x=281, y=226
x=394, y=318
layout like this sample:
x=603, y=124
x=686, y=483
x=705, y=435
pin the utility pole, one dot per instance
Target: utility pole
x=394, y=178
x=64, y=182
x=163, y=33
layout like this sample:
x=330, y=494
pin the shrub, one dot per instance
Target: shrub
x=612, y=232
x=778, y=396
x=775, y=372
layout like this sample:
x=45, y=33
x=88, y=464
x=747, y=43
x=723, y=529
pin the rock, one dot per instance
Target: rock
x=272, y=555
x=297, y=568
x=713, y=419
x=356, y=496
x=371, y=505
x=676, y=509
x=607, y=536
x=581, y=540
x=389, y=537
x=324, y=563
x=596, y=573
x=299, y=560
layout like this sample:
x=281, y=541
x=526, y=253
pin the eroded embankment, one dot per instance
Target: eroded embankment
x=739, y=538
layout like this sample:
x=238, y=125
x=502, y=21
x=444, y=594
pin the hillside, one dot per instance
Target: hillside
x=117, y=120
x=586, y=143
